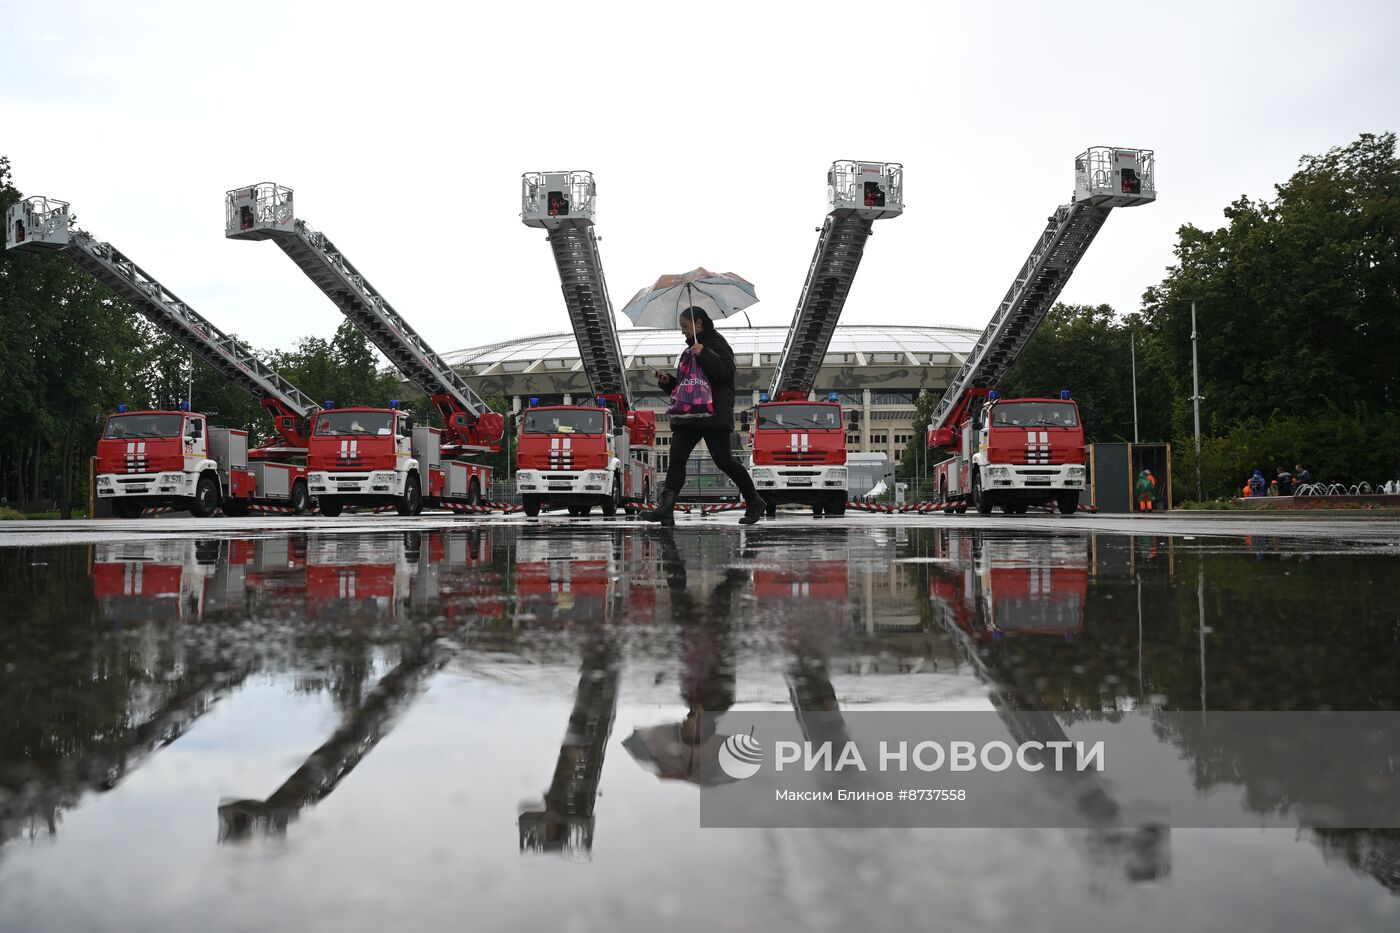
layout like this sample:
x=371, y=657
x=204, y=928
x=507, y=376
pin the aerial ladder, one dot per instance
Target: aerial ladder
x=799, y=446
x=135, y=471
x=578, y=456
x=1019, y=452
x=265, y=211
x=434, y=476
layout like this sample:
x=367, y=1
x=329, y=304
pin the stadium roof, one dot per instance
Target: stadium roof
x=857, y=345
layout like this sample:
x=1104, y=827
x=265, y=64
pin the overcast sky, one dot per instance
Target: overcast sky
x=404, y=129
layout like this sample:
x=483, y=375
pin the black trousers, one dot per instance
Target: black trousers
x=684, y=440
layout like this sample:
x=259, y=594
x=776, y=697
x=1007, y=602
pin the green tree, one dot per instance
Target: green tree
x=1085, y=349
x=69, y=350
x=1297, y=297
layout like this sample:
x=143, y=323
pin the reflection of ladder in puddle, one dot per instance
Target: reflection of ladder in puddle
x=564, y=822
x=324, y=769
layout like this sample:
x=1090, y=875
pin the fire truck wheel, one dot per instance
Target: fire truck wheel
x=474, y=493
x=836, y=505
x=411, y=502
x=1068, y=502
x=578, y=511
x=301, y=499
x=771, y=510
x=206, y=498
x=614, y=501
x=981, y=500
x=236, y=508
x=125, y=508
x=531, y=505
x=331, y=507
x=817, y=509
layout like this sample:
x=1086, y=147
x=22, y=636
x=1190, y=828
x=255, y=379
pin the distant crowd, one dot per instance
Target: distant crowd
x=1284, y=483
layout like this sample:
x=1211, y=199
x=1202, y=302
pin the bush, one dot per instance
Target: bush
x=1336, y=447
x=8, y=514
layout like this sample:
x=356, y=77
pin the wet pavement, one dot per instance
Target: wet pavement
x=420, y=724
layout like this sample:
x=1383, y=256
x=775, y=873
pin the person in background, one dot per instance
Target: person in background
x=1273, y=487
x=1285, y=482
x=1257, y=484
x=1301, y=477
x=1146, y=491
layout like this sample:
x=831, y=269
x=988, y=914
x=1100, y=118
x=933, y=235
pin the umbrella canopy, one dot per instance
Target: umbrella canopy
x=663, y=751
x=719, y=294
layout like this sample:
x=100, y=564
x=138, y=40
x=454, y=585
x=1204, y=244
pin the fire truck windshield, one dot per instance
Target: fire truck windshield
x=563, y=421
x=805, y=417
x=121, y=427
x=354, y=423
x=1034, y=414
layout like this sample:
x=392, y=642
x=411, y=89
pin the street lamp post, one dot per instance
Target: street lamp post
x=1196, y=397
x=1132, y=355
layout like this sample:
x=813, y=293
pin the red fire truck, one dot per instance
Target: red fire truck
x=1015, y=453
x=169, y=458
x=577, y=457
x=799, y=446
x=375, y=456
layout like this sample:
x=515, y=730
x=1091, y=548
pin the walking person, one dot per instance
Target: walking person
x=712, y=353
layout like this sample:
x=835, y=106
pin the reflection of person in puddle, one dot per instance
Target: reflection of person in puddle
x=706, y=644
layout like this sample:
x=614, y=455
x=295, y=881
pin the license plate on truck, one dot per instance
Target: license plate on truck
x=800, y=481
x=131, y=489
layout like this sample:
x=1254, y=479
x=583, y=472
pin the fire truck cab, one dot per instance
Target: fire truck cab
x=799, y=453
x=577, y=457
x=1012, y=453
x=364, y=456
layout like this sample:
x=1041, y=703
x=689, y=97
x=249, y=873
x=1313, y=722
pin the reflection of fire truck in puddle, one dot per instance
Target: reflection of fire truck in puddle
x=817, y=579
x=156, y=581
x=563, y=579
x=377, y=578
x=384, y=577
x=994, y=586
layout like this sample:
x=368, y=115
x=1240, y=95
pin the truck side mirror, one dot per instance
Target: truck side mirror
x=852, y=420
x=196, y=429
x=744, y=420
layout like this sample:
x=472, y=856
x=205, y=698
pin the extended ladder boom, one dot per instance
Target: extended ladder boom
x=562, y=203
x=1105, y=178
x=860, y=193
x=39, y=224
x=265, y=211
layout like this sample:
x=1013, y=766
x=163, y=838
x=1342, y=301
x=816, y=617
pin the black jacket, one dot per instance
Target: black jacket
x=717, y=360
